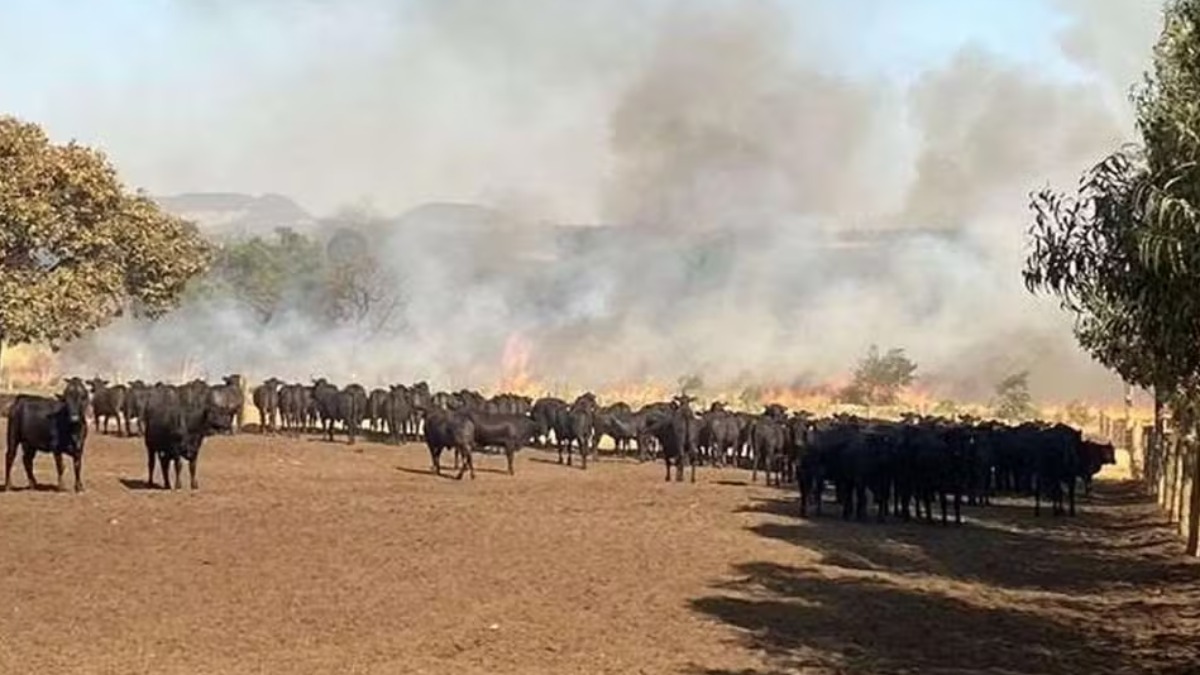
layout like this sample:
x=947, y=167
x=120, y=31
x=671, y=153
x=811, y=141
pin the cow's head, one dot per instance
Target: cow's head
x=75, y=400
x=96, y=384
x=216, y=420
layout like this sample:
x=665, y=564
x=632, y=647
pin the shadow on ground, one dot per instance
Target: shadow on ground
x=1105, y=592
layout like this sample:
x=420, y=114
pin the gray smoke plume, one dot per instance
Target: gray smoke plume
x=764, y=217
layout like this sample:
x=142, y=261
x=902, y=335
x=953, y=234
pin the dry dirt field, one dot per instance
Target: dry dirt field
x=298, y=556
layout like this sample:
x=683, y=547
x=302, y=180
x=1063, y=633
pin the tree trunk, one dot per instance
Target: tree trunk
x=3, y=382
x=1185, y=426
x=1156, y=451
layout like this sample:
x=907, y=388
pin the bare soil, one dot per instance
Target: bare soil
x=298, y=556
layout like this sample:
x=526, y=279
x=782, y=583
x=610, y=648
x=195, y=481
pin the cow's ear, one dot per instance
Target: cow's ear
x=60, y=398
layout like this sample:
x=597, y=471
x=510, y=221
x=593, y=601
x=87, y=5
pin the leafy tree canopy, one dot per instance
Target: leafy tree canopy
x=1122, y=253
x=1013, y=402
x=76, y=248
x=879, y=378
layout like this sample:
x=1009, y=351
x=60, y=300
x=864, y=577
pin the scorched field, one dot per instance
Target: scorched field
x=298, y=556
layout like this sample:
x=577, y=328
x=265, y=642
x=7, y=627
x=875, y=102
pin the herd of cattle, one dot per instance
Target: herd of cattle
x=904, y=466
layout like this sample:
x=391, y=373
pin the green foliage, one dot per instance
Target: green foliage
x=1013, y=402
x=76, y=248
x=339, y=282
x=879, y=378
x=268, y=275
x=1123, y=252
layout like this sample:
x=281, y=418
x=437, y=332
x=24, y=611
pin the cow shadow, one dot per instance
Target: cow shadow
x=40, y=487
x=802, y=620
x=446, y=473
x=136, y=484
x=1005, y=591
x=986, y=548
x=554, y=462
x=450, y=473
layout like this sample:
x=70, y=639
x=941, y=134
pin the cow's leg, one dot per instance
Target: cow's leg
x=467, y=464
x=510, y=453
x=27, y=462
x=77, y=462
x=692, y=456
x=436, y=460
x=667, y=463
x=149, y=468
x=164, y=463
x=10, y=455
x=58, y=468
x=192, y=473
x=943, y=503
x=584, y=444
x=178, y=470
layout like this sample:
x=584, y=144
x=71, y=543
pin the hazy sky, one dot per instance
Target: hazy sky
x=686, y=115
x=395, y=103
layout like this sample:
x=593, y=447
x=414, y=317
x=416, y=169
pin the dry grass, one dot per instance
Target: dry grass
x=304, y=557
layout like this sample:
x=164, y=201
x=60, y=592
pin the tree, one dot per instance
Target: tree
x=1123, y=252
x=1013, y=402
x=269, y=275
x=879, y=378
x=76, y=248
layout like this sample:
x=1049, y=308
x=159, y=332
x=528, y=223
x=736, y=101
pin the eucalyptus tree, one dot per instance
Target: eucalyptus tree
x=1122, y=253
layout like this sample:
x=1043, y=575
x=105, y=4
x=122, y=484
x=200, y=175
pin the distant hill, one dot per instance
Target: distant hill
x=231, y=214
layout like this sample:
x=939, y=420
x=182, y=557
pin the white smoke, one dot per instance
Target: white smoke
x=730, y=160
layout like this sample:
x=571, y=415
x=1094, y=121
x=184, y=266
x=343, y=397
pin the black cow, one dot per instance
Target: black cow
x=769, y=441
x=398, y=410
x=445, y=430
x=1092, y=458
x=376, y=413
x=135, y=405
x=1057, y=465
x=266, y=400
x=576, y=429
x=325, y=399
x=175, y=430
x=676, y=430
x=547, y=413
x=230, y=398
x=616, y=421
x=54, y=425
x=510, y=432
x=352, y=409
x=108, y=403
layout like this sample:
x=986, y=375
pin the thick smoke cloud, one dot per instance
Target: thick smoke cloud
x=732, y=164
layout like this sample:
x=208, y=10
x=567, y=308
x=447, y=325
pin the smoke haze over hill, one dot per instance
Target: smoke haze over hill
x=727, y=148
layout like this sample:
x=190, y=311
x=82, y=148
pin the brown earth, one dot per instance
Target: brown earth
x=298, y=556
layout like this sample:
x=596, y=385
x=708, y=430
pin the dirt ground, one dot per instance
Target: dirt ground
x=298, y=556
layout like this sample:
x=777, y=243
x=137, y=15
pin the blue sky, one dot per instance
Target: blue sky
x=114, y=40
x=45, y=43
